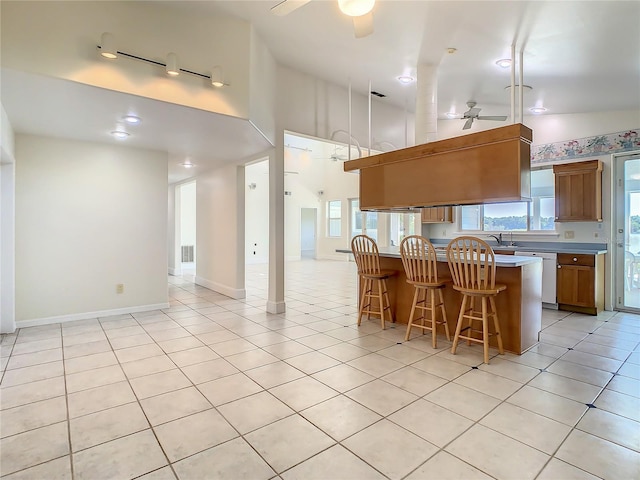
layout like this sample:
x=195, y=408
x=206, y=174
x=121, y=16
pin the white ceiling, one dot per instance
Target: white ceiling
x=578, y=56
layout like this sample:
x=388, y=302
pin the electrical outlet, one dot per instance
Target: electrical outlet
x=120, y=288
x=595, y=235
x=569, y=234
x=444, y=233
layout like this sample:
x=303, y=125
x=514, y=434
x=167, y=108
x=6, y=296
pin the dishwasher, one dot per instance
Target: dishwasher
x=548, y=275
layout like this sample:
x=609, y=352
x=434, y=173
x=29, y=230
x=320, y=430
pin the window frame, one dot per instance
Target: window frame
x=330, y=218
x=533, y=215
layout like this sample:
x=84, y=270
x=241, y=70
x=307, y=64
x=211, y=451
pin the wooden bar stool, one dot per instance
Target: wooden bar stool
x=420, y=266
x=373, y=280
x=473, y=270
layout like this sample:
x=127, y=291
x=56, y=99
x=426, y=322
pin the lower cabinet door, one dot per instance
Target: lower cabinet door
x=576, y=285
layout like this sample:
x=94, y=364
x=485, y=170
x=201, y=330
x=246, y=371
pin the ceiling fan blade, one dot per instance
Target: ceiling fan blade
x=287, y=6
x=363, y=25
x=468, y=123
x=493, y=117
x=472, y=112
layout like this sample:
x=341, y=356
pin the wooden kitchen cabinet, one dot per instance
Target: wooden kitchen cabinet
x=579, y=191
x=437, y=215
x=580, y=283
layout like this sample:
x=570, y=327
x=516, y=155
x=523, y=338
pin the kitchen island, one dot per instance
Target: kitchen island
x=519, y=307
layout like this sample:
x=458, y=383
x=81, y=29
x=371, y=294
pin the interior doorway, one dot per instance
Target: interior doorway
x=308, y=232
x=627, y=231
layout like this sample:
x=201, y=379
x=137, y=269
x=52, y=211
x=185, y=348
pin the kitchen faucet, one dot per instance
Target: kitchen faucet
x=497, y=237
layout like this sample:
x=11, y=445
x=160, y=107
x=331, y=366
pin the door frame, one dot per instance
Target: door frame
x=617, y=229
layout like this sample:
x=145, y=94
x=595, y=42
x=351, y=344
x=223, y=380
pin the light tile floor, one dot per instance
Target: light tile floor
x=216, y=388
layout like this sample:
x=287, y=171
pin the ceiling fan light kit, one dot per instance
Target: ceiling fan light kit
x=359, y=10
x=356, y=8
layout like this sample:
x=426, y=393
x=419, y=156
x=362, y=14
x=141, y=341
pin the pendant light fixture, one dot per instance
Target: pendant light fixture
x=172, y=65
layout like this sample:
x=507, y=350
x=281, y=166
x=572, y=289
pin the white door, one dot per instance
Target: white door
x=627, y=232
x=308, y=218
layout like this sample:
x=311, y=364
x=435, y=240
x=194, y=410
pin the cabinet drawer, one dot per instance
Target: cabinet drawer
x=576, y=259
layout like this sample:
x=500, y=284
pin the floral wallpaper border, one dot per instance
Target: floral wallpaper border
x=586, y=147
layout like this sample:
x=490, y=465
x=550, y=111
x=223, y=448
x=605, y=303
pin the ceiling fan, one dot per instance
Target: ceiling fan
x=359, y=10
x=472, y=114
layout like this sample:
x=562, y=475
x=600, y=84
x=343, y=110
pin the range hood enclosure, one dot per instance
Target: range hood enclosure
x=493, y=166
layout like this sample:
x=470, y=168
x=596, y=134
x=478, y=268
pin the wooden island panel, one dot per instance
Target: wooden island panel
x=519, y=307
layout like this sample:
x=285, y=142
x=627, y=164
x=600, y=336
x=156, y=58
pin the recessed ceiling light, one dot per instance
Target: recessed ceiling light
x=405, y=79
x=537, y=110
x=504, y=63
x=120, y=134
x=451, y=115
x=132, y=119
x=187, y=164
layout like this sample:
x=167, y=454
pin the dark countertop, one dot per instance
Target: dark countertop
x=501, y=260
x=542, y=247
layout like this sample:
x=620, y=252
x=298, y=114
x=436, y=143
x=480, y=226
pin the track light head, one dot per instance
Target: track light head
x=108, y=46
x=172, y=65
x=216, y=76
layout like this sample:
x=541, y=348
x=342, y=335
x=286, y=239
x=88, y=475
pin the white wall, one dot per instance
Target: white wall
x=88, y=216
x=262, y=105
x=188, y=214
x=220, y=230
x=257, y=212
x=314, y=107
x=59, y=39
x=173, y=229
x=7, y=225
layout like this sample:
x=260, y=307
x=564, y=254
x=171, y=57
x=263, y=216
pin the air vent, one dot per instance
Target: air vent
x=378, y=94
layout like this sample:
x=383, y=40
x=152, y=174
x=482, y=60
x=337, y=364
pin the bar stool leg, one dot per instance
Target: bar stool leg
x=381, y=293
x=362, y=298
x=386, y=297
x=496, y=324
x=485, y=330
x=471, y=315
x=432, y=312
x=459, y=324
x=444, y=315
x=413, y=310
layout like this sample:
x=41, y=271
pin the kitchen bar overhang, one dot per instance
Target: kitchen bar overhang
x=492, y=166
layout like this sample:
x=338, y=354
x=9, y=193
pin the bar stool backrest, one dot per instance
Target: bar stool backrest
x=472, y=263
x=419, y=259
x=365, y=251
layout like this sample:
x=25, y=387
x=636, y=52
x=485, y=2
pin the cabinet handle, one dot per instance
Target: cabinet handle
x=559, y=266
x=575, y=259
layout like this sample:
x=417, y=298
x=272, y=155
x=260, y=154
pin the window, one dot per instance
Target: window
x=363, y=222
x=401, y=225
x=537, y=215
x=334, y=211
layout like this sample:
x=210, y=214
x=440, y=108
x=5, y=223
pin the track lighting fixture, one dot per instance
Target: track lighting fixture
x=108, y=50
x=216, y=76
x=108, y=47
x=172, y=65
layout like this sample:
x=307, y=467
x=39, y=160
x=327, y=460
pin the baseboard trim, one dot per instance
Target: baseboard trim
x=175, y=271
x=89, y=315
x=276, y=307
x=235, y=293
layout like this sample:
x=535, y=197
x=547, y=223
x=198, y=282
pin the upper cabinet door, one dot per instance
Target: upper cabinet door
x=579, y=191
x=437, y=215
